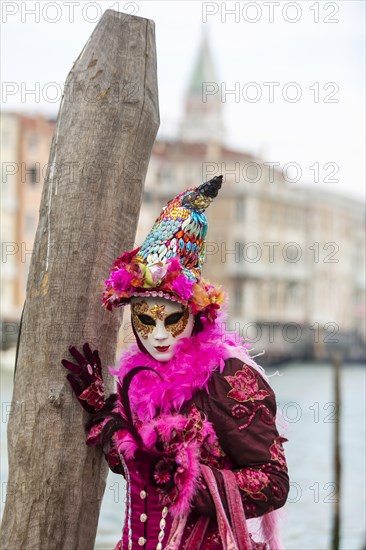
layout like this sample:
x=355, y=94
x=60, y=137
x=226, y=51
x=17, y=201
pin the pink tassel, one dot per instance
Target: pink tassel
x=270, y=530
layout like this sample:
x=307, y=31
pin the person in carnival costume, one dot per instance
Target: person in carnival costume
x=192, y=425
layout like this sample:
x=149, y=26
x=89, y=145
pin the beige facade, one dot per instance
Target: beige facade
x=25, y=147
x=338, y=278
x=10, y=131
x=35, y=143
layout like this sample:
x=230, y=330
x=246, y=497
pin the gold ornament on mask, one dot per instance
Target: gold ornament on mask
x=158, y=311
x=177, y=328
x=141, y=308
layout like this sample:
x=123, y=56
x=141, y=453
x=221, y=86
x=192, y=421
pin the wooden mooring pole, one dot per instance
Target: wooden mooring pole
x=337, y=462
x=106, y=127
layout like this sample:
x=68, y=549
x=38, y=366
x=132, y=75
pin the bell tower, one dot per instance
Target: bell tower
x=202, y=119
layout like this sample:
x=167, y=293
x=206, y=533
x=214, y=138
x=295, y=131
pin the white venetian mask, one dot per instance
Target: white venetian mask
x=160, y=323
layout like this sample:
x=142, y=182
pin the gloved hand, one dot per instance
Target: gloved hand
x=86, y=378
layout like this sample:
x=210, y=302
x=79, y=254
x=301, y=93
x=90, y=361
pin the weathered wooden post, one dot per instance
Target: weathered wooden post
x=106, y=127
x=337, y=456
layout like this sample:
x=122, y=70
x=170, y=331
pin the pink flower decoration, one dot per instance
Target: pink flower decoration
x=158, y=272
x=183, y=287
x=162, y=477
x=174, y=264
x=121, y=279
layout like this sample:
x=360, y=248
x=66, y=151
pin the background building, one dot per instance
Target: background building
x=25, y=146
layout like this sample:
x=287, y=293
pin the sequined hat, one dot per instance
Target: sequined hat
x=168, y=263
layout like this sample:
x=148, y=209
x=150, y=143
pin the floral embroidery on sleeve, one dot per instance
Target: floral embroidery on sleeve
x=252, y=482
x=244, y=386
x=277, y=452
x=245, y=389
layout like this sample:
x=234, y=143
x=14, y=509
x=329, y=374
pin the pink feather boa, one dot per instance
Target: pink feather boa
x=189, y=370
x=182, y=438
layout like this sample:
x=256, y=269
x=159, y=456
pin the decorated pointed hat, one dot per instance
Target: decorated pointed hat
x=168, y=263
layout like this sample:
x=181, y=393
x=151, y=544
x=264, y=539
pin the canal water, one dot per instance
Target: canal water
x=305, y=402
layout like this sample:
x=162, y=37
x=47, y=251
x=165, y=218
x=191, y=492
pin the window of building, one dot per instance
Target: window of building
x=239, y=251
x=272, y=294
x=239, y=210
x=238, y=298
x=32, y=174
x=291, y=294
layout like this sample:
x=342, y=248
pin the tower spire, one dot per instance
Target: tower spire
x=202, y=119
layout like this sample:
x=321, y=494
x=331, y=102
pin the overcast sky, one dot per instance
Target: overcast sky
x=319, y=46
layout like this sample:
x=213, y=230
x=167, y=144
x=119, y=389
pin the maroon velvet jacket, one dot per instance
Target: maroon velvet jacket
x=241, y=406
